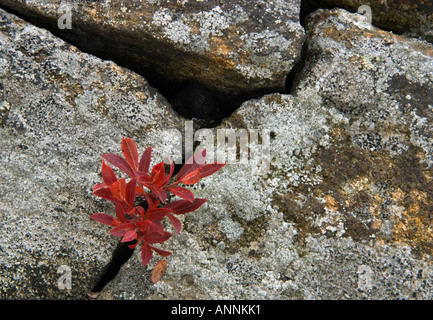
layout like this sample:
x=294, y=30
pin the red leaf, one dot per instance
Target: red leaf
x=157, y=213
x=161, y=194
x=187, y=206
x=120, y=231
x=161, y=252
x=118, y=189
x=130, y=153
x=167, y=178
x=175, y=222
x=182, y=192
x=145, y=160
x=129, y=236
x=105, y=219
x=144, y=226
x=120, y=213
x=130, y=192
x=132, y=246
x=156, y=226
x=119, y=162
x=158, y=174
x=156, y=237
x=106, y=194
x=139, y=191
x=192, y=177
x=190, y=165
x=174, y=204
x=146, y=254
x=158, y=271
x=210, y=168
x=100, y=186
x=152, y=201
x=108, y=174
x=140, y=211
x=149, y=226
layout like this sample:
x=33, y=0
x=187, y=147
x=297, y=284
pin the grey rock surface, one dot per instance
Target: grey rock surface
x=232, y=47
x=340, y=208
x=344, y=210
x=410, y=17
x=61, y=109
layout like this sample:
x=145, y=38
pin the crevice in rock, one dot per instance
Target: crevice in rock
x=307, y=7
x=293, y=77
x=188, y=98
x=120, y=256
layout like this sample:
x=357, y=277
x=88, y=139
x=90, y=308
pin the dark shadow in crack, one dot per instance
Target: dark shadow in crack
x=121, y=254
x=188, y=98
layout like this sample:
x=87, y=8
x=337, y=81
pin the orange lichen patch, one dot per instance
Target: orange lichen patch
x=194, y=27
x=397, y=195
x=376, y=224
x=219, y=52
x=356, y=60
x=220, y=47
x=140, y=95
x=423, y=47
x=350, y=34
x=72, y=90
x=364, y=189
x=428, y=52
x=331, y=203
x=116, y=68
x=102, y=105
x=376, y=205
x=92, y=11
x=413, y=230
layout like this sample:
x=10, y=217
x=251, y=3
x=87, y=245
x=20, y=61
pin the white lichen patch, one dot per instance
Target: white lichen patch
x=296, y=135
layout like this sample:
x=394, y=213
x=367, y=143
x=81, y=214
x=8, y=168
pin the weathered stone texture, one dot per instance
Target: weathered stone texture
x=61, y=109
x=411, y=17
x=232, y=47
x=345, y=210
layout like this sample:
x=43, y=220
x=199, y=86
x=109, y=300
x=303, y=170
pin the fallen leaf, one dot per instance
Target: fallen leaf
x=159, y=270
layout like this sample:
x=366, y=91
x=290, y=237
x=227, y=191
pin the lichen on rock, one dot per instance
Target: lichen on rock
x=235, y=47
x=342, y=209
x=61, y=109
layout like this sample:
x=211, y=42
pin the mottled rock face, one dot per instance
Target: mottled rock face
x=61, y=109
x=378, y=170
x=232, y=47
x=345, y=208
x=413, y=17
x=335, y=204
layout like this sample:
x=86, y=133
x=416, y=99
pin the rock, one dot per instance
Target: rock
x=232, y=47
x=412, y=17
x=336, y=203
x=60, y=109
x=344, y=210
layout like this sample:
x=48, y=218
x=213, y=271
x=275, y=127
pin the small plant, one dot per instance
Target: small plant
x=141, y=224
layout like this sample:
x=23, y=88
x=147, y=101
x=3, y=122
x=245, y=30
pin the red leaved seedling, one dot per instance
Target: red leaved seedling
x=135, y=224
